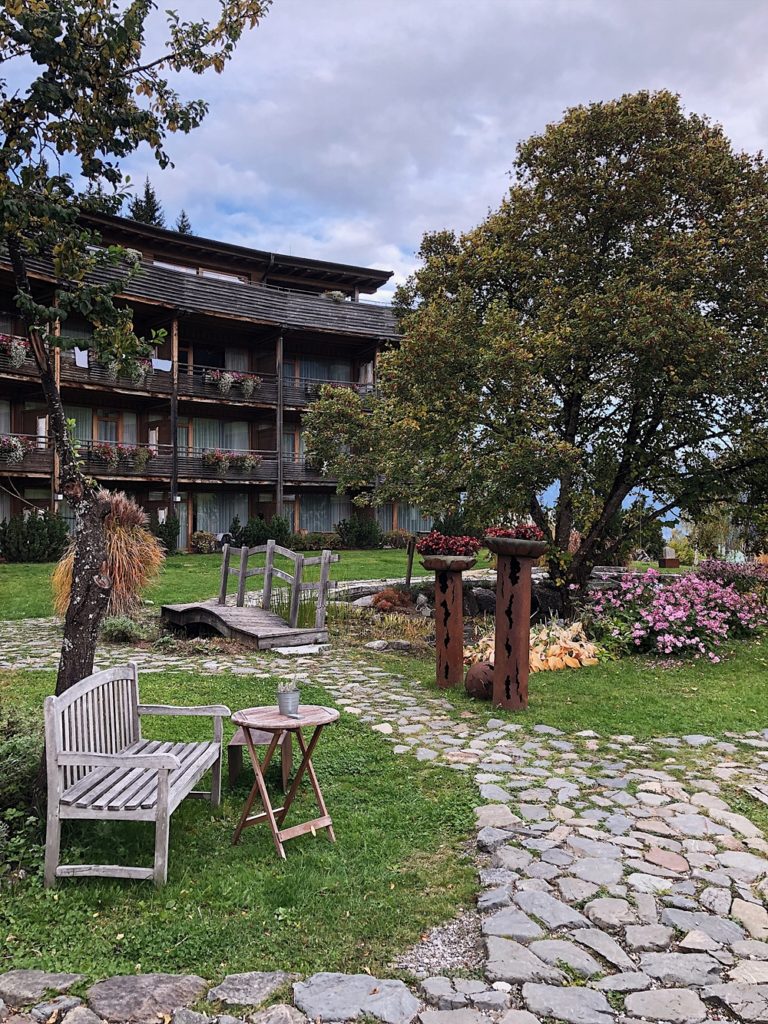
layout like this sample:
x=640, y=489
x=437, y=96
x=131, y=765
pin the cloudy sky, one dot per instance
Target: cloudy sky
x=344, y=129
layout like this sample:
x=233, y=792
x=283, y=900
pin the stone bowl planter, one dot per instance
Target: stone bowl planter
x=448, y=563
x=515, y=547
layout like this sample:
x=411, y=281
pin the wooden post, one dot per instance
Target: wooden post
x=411, y=552
x=174, y=414
x=279, y=496
x=322, y=593
x=224, y=574
x=449, y=628
x=513, y=629
x=55, y=462
x=298, y=572
x=269, y=561
x=242, y=578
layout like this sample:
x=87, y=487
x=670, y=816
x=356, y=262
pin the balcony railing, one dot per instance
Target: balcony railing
x=17, y=367
x=22, y=454
x=115, y=461
x=149, y=380
x=297, y=469
x=307, y=389
x=229, y=385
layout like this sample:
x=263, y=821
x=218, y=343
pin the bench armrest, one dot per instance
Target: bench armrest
x=210, y=710
x=82, y=759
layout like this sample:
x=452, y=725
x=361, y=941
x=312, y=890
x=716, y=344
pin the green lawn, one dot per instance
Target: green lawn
x=25, y=590
x=637, y=696
x=396, y=869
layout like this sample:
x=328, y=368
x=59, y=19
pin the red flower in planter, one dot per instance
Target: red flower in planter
x=522, y=531
x=439, y=544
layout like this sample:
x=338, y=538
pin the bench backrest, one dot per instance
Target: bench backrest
x=98, y=715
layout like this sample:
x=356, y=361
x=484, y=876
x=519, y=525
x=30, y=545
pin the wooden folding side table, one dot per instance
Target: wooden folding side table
x=270, y=720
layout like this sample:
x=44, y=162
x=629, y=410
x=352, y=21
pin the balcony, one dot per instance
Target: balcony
x=15, y=367
x=25, y=455
x=298, y=470
x=215, y=384
x=151, y=381
x=108, y=461
x=301, y=392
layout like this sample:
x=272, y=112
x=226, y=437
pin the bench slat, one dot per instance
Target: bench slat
x=98, y=779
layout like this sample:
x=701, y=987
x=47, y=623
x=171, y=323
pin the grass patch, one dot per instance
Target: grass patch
x=395, y=870
x=636, y=696
x=25, y=589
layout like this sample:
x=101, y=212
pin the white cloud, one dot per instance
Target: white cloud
x=344, y=129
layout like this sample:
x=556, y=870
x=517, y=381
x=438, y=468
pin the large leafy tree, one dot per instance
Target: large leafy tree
x=600, y=336
x=86, y=93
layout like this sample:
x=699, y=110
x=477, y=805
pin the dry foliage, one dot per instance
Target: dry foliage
x=553, y=647
x=134, y=558
x=391, y=600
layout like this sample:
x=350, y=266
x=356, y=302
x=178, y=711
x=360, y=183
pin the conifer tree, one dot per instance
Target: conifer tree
x=146, y=207
x=183, y=224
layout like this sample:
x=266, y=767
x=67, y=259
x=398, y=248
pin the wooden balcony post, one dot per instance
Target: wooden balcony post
x=175, y=416
x=279, y=496
x=55, y=458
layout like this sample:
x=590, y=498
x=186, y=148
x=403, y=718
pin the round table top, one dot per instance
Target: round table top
x=270, y=719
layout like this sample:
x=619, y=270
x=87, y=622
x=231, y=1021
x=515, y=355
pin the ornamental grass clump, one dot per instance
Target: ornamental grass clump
x=690, y=615
x=134, y=558
x=439, y=544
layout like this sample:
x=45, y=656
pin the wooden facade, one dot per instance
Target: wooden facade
x=249, y=339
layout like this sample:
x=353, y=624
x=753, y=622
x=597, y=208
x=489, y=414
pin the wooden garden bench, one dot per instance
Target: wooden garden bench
x=100, y=768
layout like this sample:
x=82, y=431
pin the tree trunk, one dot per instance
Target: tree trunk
x=91, y=584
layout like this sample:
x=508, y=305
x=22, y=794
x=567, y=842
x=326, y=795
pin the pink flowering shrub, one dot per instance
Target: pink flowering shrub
x=746, y=577
x=690, y=615
x=439, y=544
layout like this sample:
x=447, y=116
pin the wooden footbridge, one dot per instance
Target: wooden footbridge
x=260, y=627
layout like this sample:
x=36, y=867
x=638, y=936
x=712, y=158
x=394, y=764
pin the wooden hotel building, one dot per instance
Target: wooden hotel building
x=250, y=337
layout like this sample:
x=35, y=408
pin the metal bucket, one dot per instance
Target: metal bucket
x=288, y=703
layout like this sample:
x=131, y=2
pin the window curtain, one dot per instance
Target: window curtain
x=236, y=359
x=83, y=421
x=326, y=369
x=5, y=506
x=319, y=513
x=410, y=518
x=385, y=516
x=234, y=436
x=5, y=417
x=206, y=434
x=219, y=434
x=215, y=512
x=130, y=432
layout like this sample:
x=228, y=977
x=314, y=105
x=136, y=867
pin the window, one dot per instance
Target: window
x=215, y=512
x=222, y=275
x=319, y=513
x=234, y=436
x=175, y=266
x=83, y=421
x=5, y=506
x=107, y=426
x=385, y=516
x=5, y=417
x=410, y=518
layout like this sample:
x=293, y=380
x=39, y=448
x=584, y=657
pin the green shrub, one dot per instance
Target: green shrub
x=35, y=537
x=21, y=750
x=279, y=530
x=682, y=548
x=202, y=543
x=252, y=535
x=359, y=532
x=396, y=538
x=313, y=541
x=121, y=629
x=454, y=524
x=168, y=533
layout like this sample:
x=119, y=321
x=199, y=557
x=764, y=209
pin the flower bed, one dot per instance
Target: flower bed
x=436, y=543
x=689, y=615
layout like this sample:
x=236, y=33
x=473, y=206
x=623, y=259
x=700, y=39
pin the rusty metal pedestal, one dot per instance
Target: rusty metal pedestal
x=515, y=560
x=449, y=616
